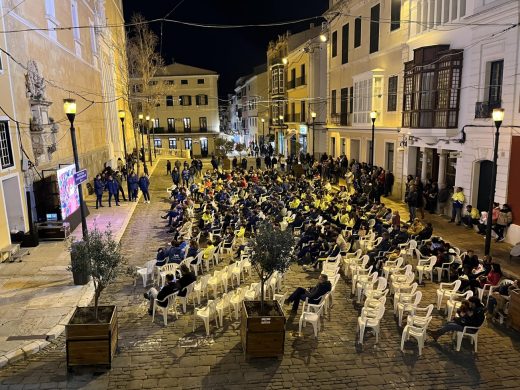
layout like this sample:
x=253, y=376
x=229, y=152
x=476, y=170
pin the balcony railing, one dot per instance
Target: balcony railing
x=293, y=117
x=485, y=109
x=339, y=119
x=296, y=82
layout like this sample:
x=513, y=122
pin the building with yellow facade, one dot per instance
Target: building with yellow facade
x=50, y=51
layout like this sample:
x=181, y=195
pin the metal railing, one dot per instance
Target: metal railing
x=485, y=109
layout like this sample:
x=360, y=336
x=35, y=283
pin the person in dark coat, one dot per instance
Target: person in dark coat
x=234, y=162
x=113, y=191
x=314, y=294
x=99, y=187
x=168, y=167
x=244, y=163
x=267, y=160
x=132, y=186
x=176, y=176
x=169, y=288
x=118, y=179
x=144, y=183
x=258, y=162
x=389, y=183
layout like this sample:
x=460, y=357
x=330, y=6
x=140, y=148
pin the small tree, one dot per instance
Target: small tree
x=240, y=148
x=101, y=254
x=272, y=251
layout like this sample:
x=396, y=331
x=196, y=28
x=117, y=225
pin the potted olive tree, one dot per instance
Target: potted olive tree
x=92, y=331
x=263, y=322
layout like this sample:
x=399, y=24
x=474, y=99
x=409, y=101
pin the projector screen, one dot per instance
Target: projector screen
x=69, y=197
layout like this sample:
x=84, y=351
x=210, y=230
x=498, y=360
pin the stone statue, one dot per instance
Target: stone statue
x=34, y=82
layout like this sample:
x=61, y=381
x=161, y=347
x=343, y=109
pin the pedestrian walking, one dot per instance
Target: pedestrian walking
x=99, y=187
x=176, y=176
x=144, y=183
x=118, y=179
x=185, y=176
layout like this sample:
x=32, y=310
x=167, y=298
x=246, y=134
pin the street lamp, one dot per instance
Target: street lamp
x=498, y=117
x=285, y=60
x=122, y=115
x=373, y=117
x=69, y=106
x=153, y=136
x=313, y=116
x=323, y=37
x=141, y=116
x=148, y=135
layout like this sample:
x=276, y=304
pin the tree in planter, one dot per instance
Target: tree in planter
x=100, y=255
x=240, y=148
x=272, y=251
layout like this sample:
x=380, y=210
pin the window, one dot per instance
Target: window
x=343, y=104
x=334, y=44
x=169, y=82
x=395, y=15
x=157, y=142
x=374, y=28
x=185, y=100
x=392, y=93
x=75, y=19
x=172, y=143
x=6, y=152
x=169, y=101
x=292, y=81
x=187, y=143
x=155, y=123
x=184, y=82
x=137, y=88
x=303, y=115
x=203, y=123
x=495, y=84
x=277, y=79
x=171, y=124
x=333, y=103
x=93, y=40
x=432, y=88
x=201, y=100
x=344, y=44
x=351, y=100
x=362, y=101
x=187, y=124
x=302, y=75
x=50, y=14
x=357, y=32
x=200, y=81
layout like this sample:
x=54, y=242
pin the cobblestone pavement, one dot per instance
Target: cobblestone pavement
x=152, y=356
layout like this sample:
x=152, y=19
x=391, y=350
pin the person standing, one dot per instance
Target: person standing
x=99, y=187
x=118, y=179
x=132, y=186
x=458, y=203
x=113, y=191
x=168, y=167
x=144, y=183
x=176, y=176
x=258, y=162
x=411, y=200
x=185, y=176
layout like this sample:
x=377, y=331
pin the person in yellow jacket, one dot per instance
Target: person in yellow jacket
x=458, y=204
x=295, y=203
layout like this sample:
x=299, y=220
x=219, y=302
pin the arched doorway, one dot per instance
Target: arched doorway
x=484, y=184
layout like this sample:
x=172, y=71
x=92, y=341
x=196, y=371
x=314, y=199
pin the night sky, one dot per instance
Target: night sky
x=230, y=52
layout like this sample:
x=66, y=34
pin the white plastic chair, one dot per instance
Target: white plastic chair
x=374, y=293
x=184, y=300
x=215, y=281
x=312, y=313
x=401, y=275
x=206, y=314
x=365, y=282
x=146, y=272
x=468, y=331
x=417, y=332
x=420, y=315
x=408, y=305
x=237, y=270
x=391, y=265
x=360, y=274
x=370, y=318
x=455, y=301
x=236, y=300
x=253, y=292
x=170, y=299
x=201, y=287
x=425, y=267
x=170, y=268
x=444, y=269
x=198, y=264
x=281, y=298
x=222, y=305
x=445, y=290
x=350, y=259
x=406, y=290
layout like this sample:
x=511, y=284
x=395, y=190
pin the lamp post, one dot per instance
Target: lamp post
x=69, y=106
x=263, y=131
x=153, y=136
x=148, y=135
x=141, y=116
x=313, y=116
x=280, y=122
x=498, y=117
x=122, y=115
x=373, y=117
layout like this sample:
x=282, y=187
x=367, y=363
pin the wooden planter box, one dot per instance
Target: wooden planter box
x=262, y=336
x=91, y=343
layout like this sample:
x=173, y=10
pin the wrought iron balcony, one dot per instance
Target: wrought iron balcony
x=339, y=119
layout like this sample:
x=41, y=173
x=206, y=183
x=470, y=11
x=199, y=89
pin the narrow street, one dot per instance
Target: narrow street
x=152, y=356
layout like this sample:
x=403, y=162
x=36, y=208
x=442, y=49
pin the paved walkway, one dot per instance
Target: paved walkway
x=152, y=356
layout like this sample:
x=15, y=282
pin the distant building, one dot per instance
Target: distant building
x=187, y=115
